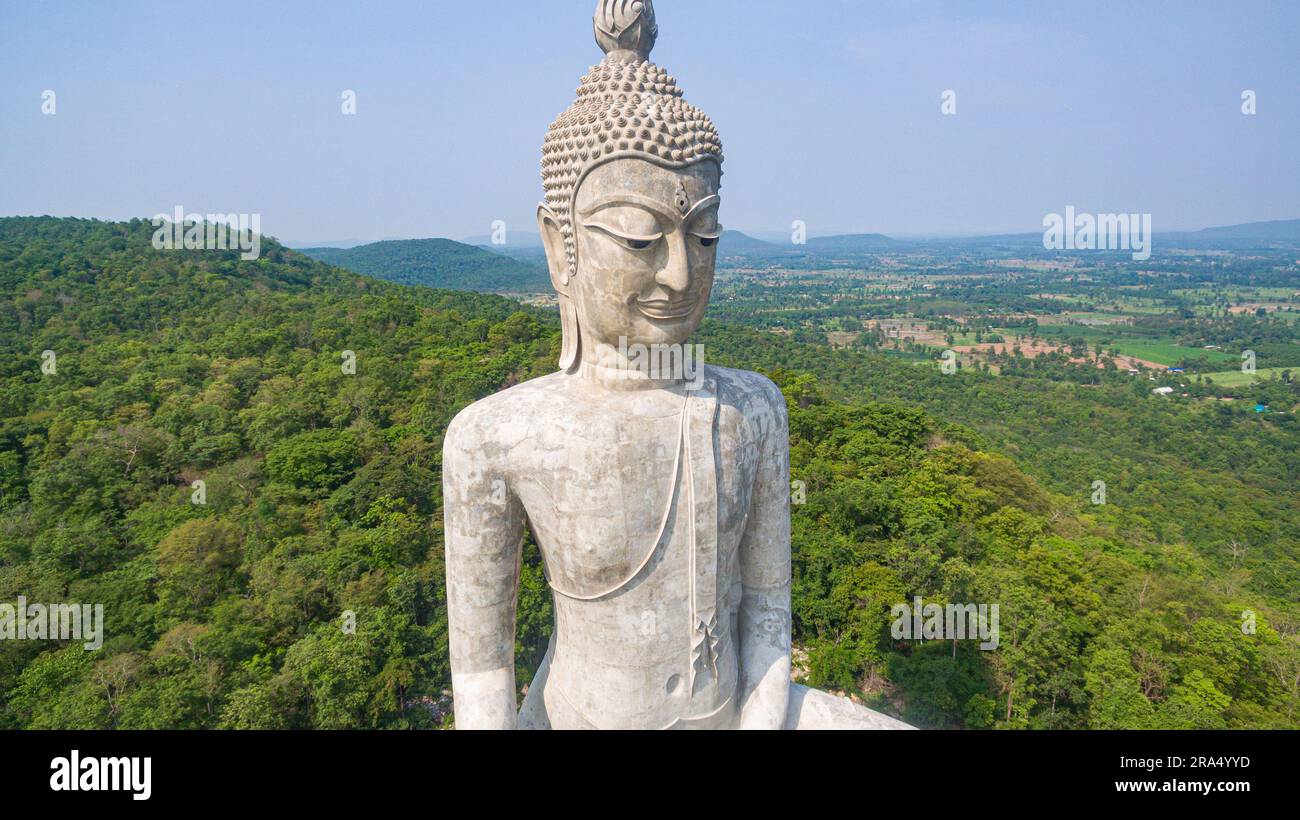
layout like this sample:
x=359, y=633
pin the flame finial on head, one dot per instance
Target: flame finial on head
x=626, y=28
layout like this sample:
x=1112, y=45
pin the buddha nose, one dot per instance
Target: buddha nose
x=676, y=274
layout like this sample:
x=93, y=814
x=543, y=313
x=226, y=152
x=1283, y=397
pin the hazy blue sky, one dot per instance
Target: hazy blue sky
x=829, y=110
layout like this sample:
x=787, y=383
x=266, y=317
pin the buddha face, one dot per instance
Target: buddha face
x=647, y=240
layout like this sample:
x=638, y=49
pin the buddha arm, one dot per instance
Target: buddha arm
x=484, y=526
x=765, y=581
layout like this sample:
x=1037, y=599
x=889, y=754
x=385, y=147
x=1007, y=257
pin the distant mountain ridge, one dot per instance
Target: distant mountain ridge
x=526, y=240
x=337, y=244
x=737, y=242
x=438, y=263
x=1274, y=230
x=1278, y=229
x=514, y=239
x=854, y=243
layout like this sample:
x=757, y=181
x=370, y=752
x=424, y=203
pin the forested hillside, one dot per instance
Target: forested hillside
x=1203, y=475
x=438, y=263
x=321, y=496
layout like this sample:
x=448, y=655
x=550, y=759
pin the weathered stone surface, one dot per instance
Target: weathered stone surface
x=811, y=709
x=657, y=489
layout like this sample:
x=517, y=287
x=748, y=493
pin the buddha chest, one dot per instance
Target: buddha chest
x=662, y=482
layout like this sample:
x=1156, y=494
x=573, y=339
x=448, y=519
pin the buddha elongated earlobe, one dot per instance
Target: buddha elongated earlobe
x=571, y=338
x=557, y=261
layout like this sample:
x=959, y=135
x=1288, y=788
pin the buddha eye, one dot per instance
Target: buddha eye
x=705, y=228
x=629, y=241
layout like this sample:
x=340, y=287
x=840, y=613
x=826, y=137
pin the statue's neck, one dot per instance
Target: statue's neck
x=623, y=378
x=632, y=367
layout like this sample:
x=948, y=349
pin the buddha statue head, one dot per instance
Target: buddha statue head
x=631, y=173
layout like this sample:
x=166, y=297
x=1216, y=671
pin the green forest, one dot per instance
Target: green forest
x=438, y=263
x=309, y=403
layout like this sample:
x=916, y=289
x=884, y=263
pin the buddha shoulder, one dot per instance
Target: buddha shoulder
x=756, y=396
x=490, y=427
x=558, y=405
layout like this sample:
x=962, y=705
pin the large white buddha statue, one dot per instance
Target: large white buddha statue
x=657, y=490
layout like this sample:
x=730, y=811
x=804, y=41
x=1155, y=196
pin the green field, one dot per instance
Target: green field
x=1239, y=293
x=1169, y=354
x=1235, y=378
x=1166, y=353
x=1092, y=334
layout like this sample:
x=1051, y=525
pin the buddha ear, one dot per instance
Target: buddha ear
x=557, y=258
